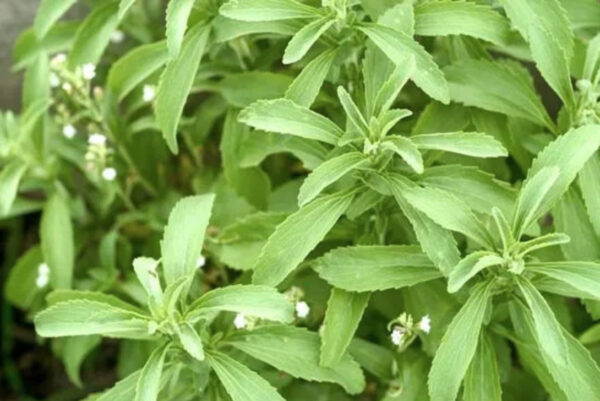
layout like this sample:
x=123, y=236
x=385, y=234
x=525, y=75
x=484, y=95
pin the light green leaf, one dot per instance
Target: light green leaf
x=474, y=144
x=241, y=383
x=400, y=17
x=226, y=29
x=251, y=183
x=344, y=312
x=267, y=10
x=547, y=329
x=353, y=113
x=124, y=6
x=245, y=88
x=48, y=12
x=305, y=88
x=389, y=90
x=10, y=177
x=328, y=173
x=569, y=153
x=56, y=234
x=407, y=150
x=458, y=346
x=437, y=243
x=584, y=276
x=298, y=354
x=375, y=268
x=531, y=197
x=20, y=287
x=398, y=46
x=482, y=381
x=74, y=351
x=178, y=12
x=542, y=242
x=251, y=300
x=93, y=35
x=469, y=266
x=479, y=189
x=461, y=18
x=283, y=251
x=135, y=66
x=58, y=296
x=176, y=82
x=145, y=270
x=285, y=117
x=450, y=212
x=305, y=38
x=546, y=27
x=86, y=317
x=590, y=188
x=123, y=390
x=500, y=86
x=374, y=358
x=181, y=245
x=148, y=384
x=191, y=341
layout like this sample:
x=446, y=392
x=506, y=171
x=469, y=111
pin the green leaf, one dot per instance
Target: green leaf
x=10, y=177
x=181, y=245
x=547, y=328
x=329, y=172
x=437, y=243
x=474, y=144
x=48, y=12
x=479, y=189
x=298, y=354
x=191, y=341
x=375, y=268
x=344, y=312
x=407, y=150
x=353, y=113
x=458, y=346
x=305, y=88
x=469, y=266
x=389, y=90
x=531, y=197
x=58, y=296
x=178, y=12
x=123, y=390
x=56, y=234
x=461, y=18
x=74, y=351
x=241, y=383
x=285, y=117
x=500, y=86
x=145, y=270
x=148, y=384
x=283, y=252
x=245, y=88
x=20, y=287
x=569, y=153
x=584, y=276
x=267, y=10
x=450, y=212
x=590, y=189
x=85, y=317
x=251, y=300
x=482, y=381
x=542, y=242
x=124, y=6
x=93, y=35
x=546, y=27
x=251, y=183
x=398, y=46
x=134, y=67
x=305, y=38
x=374, y=358
x=176, y=82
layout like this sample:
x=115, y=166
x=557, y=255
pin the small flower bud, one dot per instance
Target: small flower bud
x=302, y=309
x=425, y=324
x=239, y=321
x=149, y=93
x=397, y=335
x=88, y=71
x=43, y=276
x=97, y=139
x=58, y=60
x=200, y=262
x=69, y=131
x=117, y=36
x=54, y=80
x=67, y=87
x=109, y=174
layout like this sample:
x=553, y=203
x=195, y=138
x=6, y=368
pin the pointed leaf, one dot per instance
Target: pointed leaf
x=482, y=381
x=10, y=177
x=305, y=88
x=93, y=35
x=584, y=276
x=474, y=144
x=305, y=38
x=48, y=12
x=178, y=12
x=267, y=10
x=56, y=234
x=407, y=150
x=469, y=266
x=191, y=341
x=148, y=384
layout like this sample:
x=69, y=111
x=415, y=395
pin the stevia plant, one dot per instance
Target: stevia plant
x=293, y=199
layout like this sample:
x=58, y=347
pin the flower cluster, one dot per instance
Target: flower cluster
x=404, y=329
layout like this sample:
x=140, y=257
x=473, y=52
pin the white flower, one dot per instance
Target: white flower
x=240, y=321
x=200, y=262
x=302, y=309
x=425, y=324
x=397, y=334
x=54, y=80
x=43, y=275
x=117, y=36
x=57, y=60
x=67, y=87
x=69, y=131
x=88, y=71
x=149, y=93
x=97, y=139
x=109, y=174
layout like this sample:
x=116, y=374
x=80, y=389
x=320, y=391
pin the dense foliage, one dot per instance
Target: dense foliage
x=303, y=200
